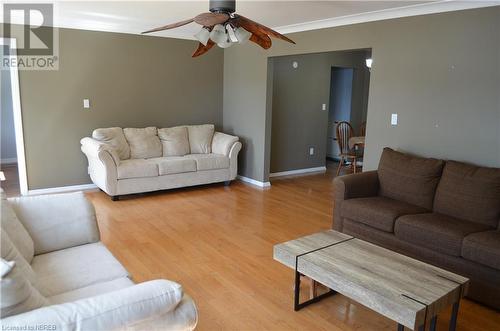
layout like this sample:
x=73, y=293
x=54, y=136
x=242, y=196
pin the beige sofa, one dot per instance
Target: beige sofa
x=130, y=160
x=57, y=275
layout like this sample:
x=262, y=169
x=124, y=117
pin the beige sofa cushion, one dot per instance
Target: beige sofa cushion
x=76, y=267
x=209, y=161
x=175, y=165
x=16, y=231
x=144, y=143
x=409, y=178
x=137, y=168
x=18, y=295
x=115, y=138
x=200, y=138
x=174, y=140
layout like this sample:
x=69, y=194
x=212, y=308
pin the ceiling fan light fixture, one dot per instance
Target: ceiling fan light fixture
x=218, y=34
x=203, y=35
x=231, y=34
x=225, y=44
x=242, y=35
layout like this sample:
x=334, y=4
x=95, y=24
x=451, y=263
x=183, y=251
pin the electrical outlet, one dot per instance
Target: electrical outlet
x=323, y=106
x=311, y=150
x=86, y=103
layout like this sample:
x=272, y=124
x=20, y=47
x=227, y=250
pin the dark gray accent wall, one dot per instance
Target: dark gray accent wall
x=439, y=72
x=298, y=120
x=131, y=81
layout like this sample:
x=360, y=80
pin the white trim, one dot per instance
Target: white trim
x=61, y=189
x=9, y=160
x=390, y=13
x=18, y=117
x=254, y=182
x=297, y=171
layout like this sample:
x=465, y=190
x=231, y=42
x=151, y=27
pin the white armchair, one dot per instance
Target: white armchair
x=81, y=285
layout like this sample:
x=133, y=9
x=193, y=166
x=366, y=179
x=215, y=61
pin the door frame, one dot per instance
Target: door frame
x=18, y=117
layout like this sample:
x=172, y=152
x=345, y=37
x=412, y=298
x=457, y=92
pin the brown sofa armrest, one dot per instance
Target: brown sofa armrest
x=353, y=186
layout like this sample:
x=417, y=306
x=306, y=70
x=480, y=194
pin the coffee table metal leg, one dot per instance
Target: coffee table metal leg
x=296, y=300
x=454, y=315
x=433, y=323
x=401, y=327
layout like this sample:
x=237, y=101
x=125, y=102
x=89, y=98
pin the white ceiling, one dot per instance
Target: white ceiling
x=285, y=16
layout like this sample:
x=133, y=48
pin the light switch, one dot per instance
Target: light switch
x=323, y=106
x=86, y=103
x=311, y=150
x=394, y=119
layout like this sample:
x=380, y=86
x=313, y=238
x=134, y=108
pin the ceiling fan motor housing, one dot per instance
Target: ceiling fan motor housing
x=223, y=6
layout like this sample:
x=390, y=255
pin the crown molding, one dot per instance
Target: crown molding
x=385, y=14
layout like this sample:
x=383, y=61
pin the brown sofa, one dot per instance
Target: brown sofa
x=445, y=213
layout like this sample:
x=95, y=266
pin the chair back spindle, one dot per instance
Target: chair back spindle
x=344, y=132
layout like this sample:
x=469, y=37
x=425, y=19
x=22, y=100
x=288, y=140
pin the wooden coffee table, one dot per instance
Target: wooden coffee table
x=407, y=291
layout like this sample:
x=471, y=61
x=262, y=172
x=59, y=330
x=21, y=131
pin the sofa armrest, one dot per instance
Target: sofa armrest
x=353, y=186
x=57, y=221
x=103, y=162
x=121, y=309
x=222, y=143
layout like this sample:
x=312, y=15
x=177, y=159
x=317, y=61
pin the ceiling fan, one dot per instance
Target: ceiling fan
x=222, y=27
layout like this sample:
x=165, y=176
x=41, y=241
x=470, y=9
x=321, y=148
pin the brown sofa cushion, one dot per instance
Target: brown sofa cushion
x=377, y=212
x=470, y=193
x=435, y=231
x=483, y=247
x=408, y=178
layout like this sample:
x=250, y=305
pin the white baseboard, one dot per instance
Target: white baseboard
x=61, y=189
x=9, y=160
x=297, y=171
x=254, y=182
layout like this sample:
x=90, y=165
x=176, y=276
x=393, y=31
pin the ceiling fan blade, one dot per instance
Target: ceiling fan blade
x=202, y=49
x=170, y=26
x=252, y=26
x=262, y=40
x=211, y=19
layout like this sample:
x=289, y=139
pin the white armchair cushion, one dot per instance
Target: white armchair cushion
x=10, y=253
x=17, y=293
x=115, y=138
x=74, y=268
x=16, y=231
x=200, y=138
x=116, y=310
x=144, y=143
x=57, y=221
x=222, y=143
x=174, y=140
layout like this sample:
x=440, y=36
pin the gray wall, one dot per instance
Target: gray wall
x=131, y=81
x=8, y=136
x=440, y=73
x=298, y=121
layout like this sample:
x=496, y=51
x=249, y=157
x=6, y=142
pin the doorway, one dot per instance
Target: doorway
x=341, y=80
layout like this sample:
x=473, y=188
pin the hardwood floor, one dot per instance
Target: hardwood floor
x=218, y=243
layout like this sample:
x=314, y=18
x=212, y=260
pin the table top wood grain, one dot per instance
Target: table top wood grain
x=401, y=288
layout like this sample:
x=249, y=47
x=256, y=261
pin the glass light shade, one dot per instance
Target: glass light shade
x=369, y=63
x=218, y=34
x=242, y=35
x=225, y=44
x=231, y=34
x=203, y=35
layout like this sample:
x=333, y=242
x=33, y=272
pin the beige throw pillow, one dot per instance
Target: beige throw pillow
x=144, y=143
x=174, y=140
x=115, y=138
x=16, y=231
x=200, y=138
x=18, y=295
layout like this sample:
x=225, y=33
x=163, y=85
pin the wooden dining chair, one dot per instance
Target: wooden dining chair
x=362, y=129
x=344, y=132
